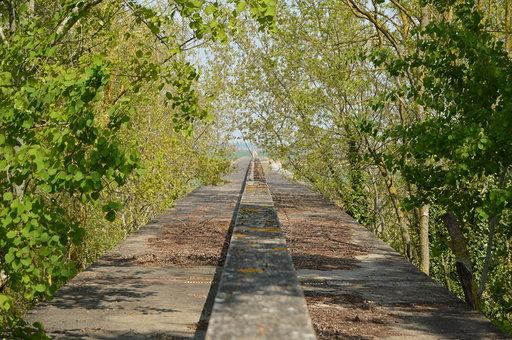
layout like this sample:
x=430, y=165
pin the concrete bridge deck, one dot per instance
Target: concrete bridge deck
x=160, y=283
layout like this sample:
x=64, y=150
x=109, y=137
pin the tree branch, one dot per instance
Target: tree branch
x=70, y=20
x=361, y=13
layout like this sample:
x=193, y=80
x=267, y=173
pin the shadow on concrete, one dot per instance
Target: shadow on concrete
x=92, y=296
x=78, y=334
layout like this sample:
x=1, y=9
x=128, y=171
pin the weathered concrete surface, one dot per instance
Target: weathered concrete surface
x=137, y=290
x=364, y=288
x=259, y=295
x=355, y=285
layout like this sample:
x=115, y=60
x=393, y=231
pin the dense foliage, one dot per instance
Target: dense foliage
x=96, y=97
x=400, y=112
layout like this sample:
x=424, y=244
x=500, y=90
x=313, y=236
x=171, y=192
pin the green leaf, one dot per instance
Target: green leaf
x=5, y=302
x=112, y=205
x=154, y=29
x=45, y=187
x=98, y=60
x=240, y=7
x=110, y=216
x=210, y=9
x=8, y=196
x=26, y=262
x=79, y=175
x=9, y=257
x=40, y=287
x=482, y=213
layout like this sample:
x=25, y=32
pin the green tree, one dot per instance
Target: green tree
x=457, y=157
x=66, y=102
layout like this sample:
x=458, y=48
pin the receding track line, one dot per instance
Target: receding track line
x=259, y=294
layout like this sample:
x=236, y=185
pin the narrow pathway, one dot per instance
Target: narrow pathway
x=157, y=284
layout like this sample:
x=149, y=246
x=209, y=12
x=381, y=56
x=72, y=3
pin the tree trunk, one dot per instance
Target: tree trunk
x=402, y=220
x=425, y=16
x=424, y=209
x=31, y=7
x=424, y=241
x=463, y=261
x=393, y=195
x=377, y=208
x=446, y=272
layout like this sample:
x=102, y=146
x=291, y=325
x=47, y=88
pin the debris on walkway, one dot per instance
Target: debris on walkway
x=358, y=287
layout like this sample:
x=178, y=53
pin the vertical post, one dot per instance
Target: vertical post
x=424, y=241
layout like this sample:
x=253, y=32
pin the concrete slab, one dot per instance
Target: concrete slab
x=160, y=283
x=141, y=289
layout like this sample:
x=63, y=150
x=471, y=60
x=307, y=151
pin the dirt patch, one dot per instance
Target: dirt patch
x=346, y=316
x=317, y=238
x=334, y=297
x=338, y=315
x=198, y=231
x=332, y=322
x=190, y=243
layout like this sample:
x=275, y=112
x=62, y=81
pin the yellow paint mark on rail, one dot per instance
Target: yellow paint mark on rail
x=265, y=230
x=250, y=270
x=247, y=209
